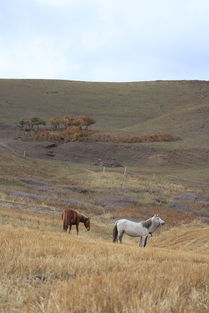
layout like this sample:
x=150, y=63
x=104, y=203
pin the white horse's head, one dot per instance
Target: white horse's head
x=156, y=219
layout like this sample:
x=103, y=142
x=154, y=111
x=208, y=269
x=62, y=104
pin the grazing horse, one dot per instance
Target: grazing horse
x=71, y=217
x=141, y=229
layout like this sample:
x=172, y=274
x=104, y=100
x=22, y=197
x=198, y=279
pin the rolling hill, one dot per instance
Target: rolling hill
x=177, y=107
x=42, y=268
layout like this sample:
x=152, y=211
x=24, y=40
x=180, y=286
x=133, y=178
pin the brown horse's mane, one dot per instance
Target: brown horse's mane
x=80, y=214
x=82, y=217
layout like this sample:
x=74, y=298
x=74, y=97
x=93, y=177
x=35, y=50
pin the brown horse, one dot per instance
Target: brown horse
x=71, y=217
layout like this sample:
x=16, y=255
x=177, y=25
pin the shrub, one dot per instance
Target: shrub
x=131, y=139
x=74, y=133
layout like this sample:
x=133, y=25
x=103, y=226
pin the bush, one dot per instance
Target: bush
x=131, y=139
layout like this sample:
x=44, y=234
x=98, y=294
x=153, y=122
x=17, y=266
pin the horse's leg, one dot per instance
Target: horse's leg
x=77, y=228
x=143, y=241
x=120, y=237
x=65, y=226
x=69, y=228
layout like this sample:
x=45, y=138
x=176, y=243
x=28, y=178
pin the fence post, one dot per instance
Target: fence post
x=124, y=178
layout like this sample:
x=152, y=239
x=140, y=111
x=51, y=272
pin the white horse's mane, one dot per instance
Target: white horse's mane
x=147, y=223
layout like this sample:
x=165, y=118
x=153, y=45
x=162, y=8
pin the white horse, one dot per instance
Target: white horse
x=141, y=229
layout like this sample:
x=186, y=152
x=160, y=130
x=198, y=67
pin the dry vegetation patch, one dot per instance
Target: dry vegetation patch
x=47, y=271
x=188, y=237
x=117, y=180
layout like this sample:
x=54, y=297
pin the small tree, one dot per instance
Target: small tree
x=24, y=124
x=86, y=121
x=36, y=121
x=83, y=121
x=68, y=120
x=55, y=122
x=73, y=133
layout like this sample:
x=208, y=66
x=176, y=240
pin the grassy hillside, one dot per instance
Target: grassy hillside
x=178, y=107
x=158, y=175
x=45, y=270
x=50, y=185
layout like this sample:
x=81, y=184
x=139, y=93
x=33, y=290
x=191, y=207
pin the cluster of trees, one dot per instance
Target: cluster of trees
x=75, y=133
x=31, y=124
x=68, y=128
x=71, y=128
x=68, y=121
x=56, y=123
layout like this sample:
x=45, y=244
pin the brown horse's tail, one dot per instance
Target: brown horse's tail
x=115, y=233
x=64, y=218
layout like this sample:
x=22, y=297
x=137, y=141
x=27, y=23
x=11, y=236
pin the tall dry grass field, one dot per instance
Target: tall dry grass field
x=53, y=272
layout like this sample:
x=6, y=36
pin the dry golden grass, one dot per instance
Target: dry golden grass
x=53, y=272
x=188, y=237
x=115, y=180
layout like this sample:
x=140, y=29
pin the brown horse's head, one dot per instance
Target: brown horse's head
x=87, y=223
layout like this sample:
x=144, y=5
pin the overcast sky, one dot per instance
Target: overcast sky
x=104, y=40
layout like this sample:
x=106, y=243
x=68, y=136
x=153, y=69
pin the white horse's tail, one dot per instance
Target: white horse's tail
x=115, y=233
